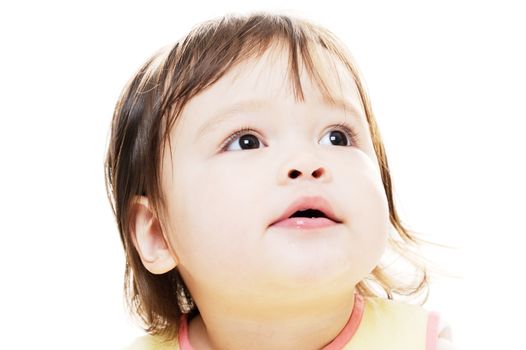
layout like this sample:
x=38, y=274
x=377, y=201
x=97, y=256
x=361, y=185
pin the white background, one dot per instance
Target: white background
x=447, y=84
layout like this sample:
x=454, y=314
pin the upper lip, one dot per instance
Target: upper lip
x=312, y=202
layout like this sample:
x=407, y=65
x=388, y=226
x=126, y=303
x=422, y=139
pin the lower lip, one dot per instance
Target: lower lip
x=305, y=223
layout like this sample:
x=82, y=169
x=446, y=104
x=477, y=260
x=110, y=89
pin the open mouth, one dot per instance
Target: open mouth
x=307, y=219
x=308, y=213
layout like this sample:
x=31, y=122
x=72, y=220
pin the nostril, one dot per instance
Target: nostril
x=294, y=174
x=318, y=172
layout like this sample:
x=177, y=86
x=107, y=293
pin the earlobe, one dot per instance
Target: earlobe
x=148, y=238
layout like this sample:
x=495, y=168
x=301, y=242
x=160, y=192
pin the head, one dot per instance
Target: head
x=195, y=200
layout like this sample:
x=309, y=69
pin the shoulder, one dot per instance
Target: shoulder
x=152, y=342
x=433, y=329
x=445, y=338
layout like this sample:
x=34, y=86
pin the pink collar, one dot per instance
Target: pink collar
x=337, y=343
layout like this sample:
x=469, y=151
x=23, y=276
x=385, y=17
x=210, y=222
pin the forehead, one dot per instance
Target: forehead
x=267, y=81
x=272, y=74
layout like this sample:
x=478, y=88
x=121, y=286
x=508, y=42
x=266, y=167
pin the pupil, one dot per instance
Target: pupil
x=249, y=140
x=339, y=137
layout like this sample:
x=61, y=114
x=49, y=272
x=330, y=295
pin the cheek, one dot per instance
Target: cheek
x=212, y=209
x=369, y=214
x=370, y=229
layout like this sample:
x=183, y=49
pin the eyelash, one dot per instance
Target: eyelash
x=353, y=135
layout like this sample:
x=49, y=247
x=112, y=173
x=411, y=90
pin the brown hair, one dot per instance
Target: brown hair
x=151, y=103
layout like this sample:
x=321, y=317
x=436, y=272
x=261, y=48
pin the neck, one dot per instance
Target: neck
x=306, y=328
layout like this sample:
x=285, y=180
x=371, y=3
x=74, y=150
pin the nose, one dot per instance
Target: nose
x=294, y=173
x=306, y=167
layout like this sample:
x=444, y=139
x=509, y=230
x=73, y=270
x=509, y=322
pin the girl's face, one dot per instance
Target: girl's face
x=222, y=200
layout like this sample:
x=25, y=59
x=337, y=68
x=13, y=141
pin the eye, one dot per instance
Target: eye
x=241, y=140
x=343, y=136
x=245, y=138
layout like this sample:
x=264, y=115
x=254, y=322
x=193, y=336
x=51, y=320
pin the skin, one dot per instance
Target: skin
x=261, y=287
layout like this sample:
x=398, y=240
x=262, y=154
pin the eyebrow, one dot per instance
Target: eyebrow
x=254, y=105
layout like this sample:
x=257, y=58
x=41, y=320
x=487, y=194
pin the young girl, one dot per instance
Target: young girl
x=253, y=197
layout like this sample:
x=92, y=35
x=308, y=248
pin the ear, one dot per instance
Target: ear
x=148, y=238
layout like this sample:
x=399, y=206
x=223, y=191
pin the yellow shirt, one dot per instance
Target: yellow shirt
x=375, y=324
